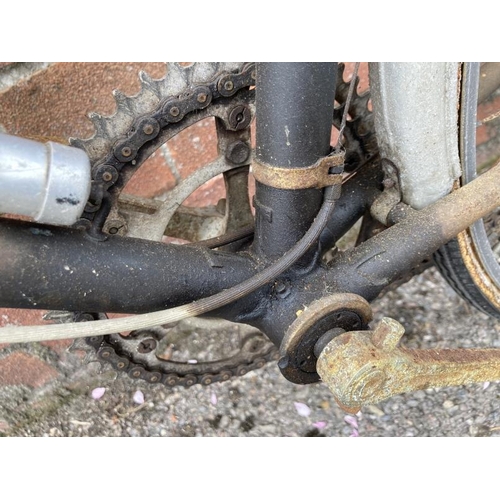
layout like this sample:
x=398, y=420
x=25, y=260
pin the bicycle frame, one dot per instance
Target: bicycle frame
x=294, y=108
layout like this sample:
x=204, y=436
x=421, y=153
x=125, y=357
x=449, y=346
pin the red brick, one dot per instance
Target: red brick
x=58, y=346
x=20, y=368
x=193, y=148
x=487, y=108
x=21, y=317
x=152, y=179
x=54, y=103
x=483, y=134
x=362, y=73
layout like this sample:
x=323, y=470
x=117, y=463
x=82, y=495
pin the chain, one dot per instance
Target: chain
x=127, y=151
x=252, y=355
x=108, y=173
x=140, y=361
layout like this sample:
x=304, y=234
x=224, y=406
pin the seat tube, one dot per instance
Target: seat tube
x=294, y=111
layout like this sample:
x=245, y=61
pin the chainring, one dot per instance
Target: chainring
x=125, y=140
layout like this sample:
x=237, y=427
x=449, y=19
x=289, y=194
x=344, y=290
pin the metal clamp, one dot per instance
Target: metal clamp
x=318, y=176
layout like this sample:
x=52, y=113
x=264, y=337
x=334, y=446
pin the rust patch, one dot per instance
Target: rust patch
x=357, y=374
x=476, y=270
x=318, y=175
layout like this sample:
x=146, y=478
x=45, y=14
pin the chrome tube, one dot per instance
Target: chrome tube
x=49, y=182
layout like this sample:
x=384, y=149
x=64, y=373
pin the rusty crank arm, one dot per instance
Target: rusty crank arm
x=367, y=367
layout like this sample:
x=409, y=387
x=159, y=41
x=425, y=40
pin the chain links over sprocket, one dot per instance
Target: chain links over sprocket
x=125, y=140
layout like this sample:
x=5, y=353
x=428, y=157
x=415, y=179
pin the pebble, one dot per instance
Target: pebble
x=448, y=404
x=375, y=410
x=419, y=395
x=268, y=429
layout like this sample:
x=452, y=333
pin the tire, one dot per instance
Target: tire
x=469, y=263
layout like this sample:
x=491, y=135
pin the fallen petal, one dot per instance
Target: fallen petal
x=486, y=385
x=354, y=433
x=351, y=420
x=319, y=425
x=138, y=397
x=192, y=361
x=213, y=398
x=302, y=409
x=98, y=392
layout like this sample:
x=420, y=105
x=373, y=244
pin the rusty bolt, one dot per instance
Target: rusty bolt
x=238, y=152
x=202, y=97
x=107, y=176
x=174, y=111
x=240, y=117
x=147, y=346
x=126, y=151
x=229, y=85
x=148, y=129
x=106, y=173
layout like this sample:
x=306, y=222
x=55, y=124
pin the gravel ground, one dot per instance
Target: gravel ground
x=263, y=403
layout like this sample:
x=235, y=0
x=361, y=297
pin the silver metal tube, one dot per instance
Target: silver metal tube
x=49, y=182
x=415, y=109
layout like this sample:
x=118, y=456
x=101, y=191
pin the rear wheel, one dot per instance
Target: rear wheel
x=471, y=262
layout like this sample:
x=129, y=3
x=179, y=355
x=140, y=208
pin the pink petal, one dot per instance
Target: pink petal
x=192, y=361
x=319, y=425
x=98, y=392
x=213, y=398
x=138, y=397
x=354, y=433
x=486, y=385
x=351, y=420
x=302, y=409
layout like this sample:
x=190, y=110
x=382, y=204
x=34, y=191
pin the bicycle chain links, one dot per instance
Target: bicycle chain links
x=135, y=354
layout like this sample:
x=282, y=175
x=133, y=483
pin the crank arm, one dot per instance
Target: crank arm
x=363, y=368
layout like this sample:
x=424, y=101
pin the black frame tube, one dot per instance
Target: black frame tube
x=46, y=267
x=294, y=111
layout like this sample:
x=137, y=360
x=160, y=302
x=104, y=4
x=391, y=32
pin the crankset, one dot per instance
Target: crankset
x=140, y=128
